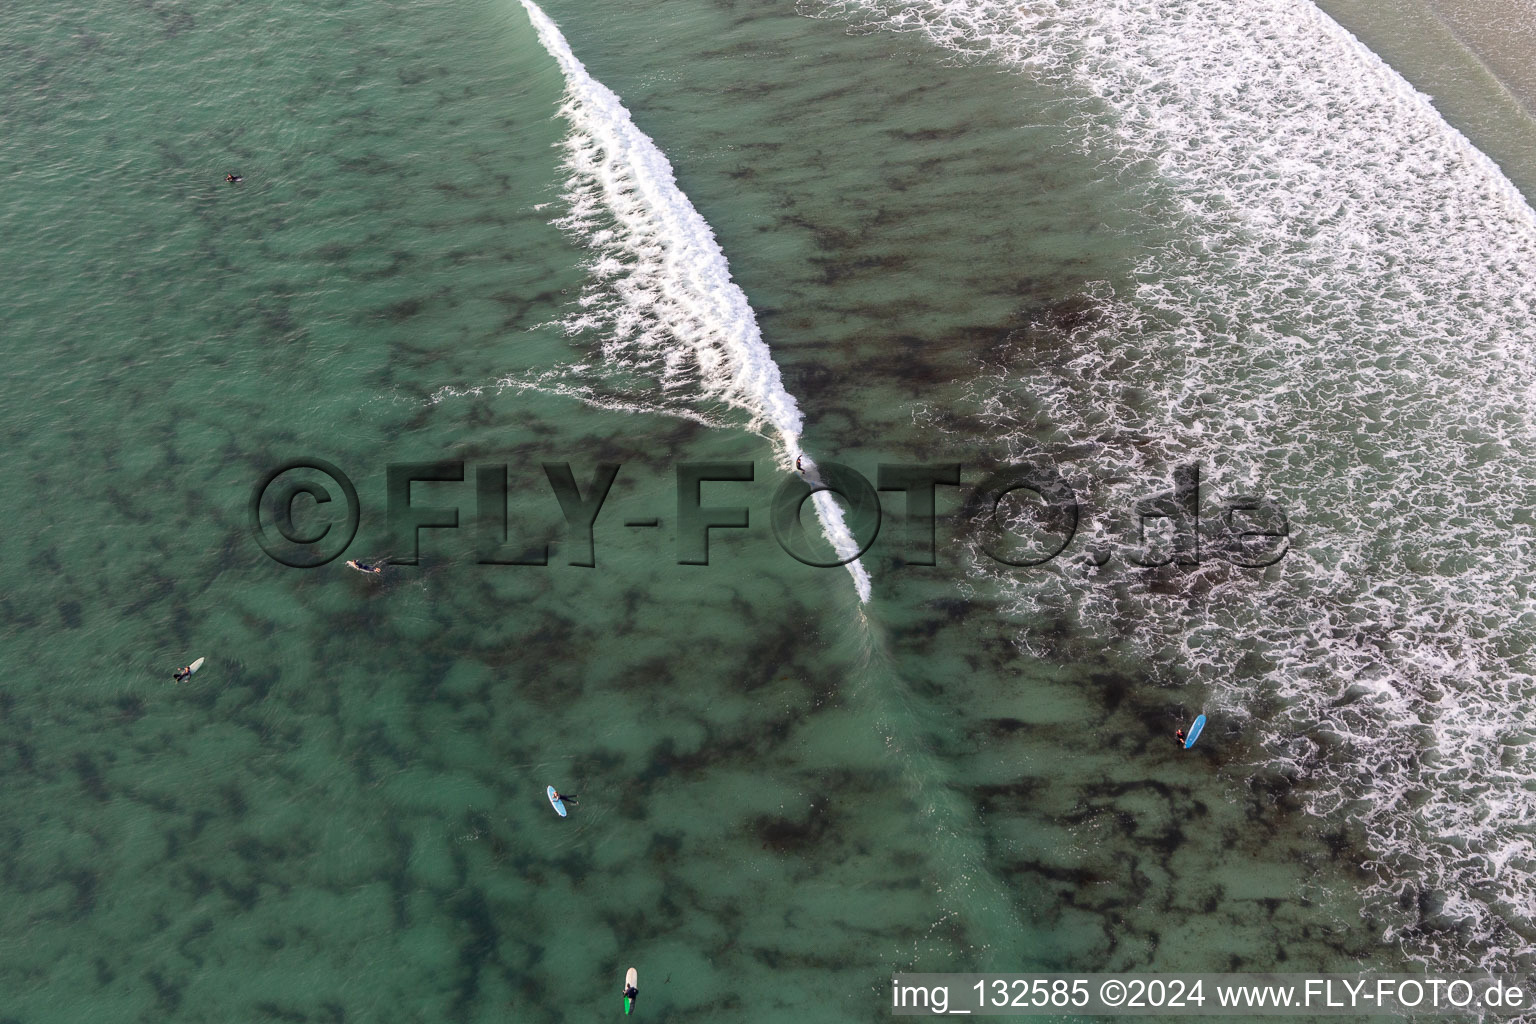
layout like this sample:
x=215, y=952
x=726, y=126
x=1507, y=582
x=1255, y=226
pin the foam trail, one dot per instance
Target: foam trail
x=662, y=296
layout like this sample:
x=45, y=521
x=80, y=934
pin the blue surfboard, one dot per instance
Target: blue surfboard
x=555, y=801
x=1194, y=733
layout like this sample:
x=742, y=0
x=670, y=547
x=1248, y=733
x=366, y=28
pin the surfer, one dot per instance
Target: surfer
x=630, y=992
x=182, y=673
x=376, y=570
x=799, y=468
x=1179, y=737
x=563, y=798
x=233, y=179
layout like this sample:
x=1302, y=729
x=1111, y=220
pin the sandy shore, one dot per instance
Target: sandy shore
x=1503, y=34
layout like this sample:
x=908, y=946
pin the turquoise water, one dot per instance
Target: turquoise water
x=956, y=250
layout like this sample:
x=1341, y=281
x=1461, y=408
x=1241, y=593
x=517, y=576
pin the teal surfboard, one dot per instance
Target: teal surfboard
x=555, y=801
x=1194, y=732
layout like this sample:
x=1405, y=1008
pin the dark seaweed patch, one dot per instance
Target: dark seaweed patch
x=929, y=134
x=476, y=949
x=1013, y=796
x=90, y=777
x=232, y=799
x=836, y=270
x=243, y=896
x=167, y=993
x=130, y=707
x=370, y=163
x=192, y=942
x=70, y=614
x=86, y=885
x=403, y=310
x=785, y=835
x=1113, y=688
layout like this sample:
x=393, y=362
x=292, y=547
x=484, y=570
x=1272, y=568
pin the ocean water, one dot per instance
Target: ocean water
x=1112, y=238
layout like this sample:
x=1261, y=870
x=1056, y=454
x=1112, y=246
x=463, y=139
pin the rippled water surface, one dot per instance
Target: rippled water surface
x=1112, y=239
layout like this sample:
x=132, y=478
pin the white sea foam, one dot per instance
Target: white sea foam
x=660, y=299
x=1343, y=321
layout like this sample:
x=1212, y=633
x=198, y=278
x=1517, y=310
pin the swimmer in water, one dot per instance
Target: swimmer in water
x=182, y=673
x=1178, y=737
x=375, y=570
x=233, y=179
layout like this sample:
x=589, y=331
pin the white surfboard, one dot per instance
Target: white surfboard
x=631, y=981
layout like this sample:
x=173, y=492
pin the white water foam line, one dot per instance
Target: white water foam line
x=1342, y=320
x=662, y=295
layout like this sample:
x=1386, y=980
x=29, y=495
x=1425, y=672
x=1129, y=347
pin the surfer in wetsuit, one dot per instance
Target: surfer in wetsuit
x=233, y=179
x=182, y=673
x=365, y=567
x=1178, y=737
x=565, y=799
x=799, y=468
x=630, y=992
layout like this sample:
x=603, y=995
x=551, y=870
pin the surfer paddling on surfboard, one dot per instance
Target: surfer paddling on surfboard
x=375, y=570
x=631, y=990
x=556, y=800
x=187, y=670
